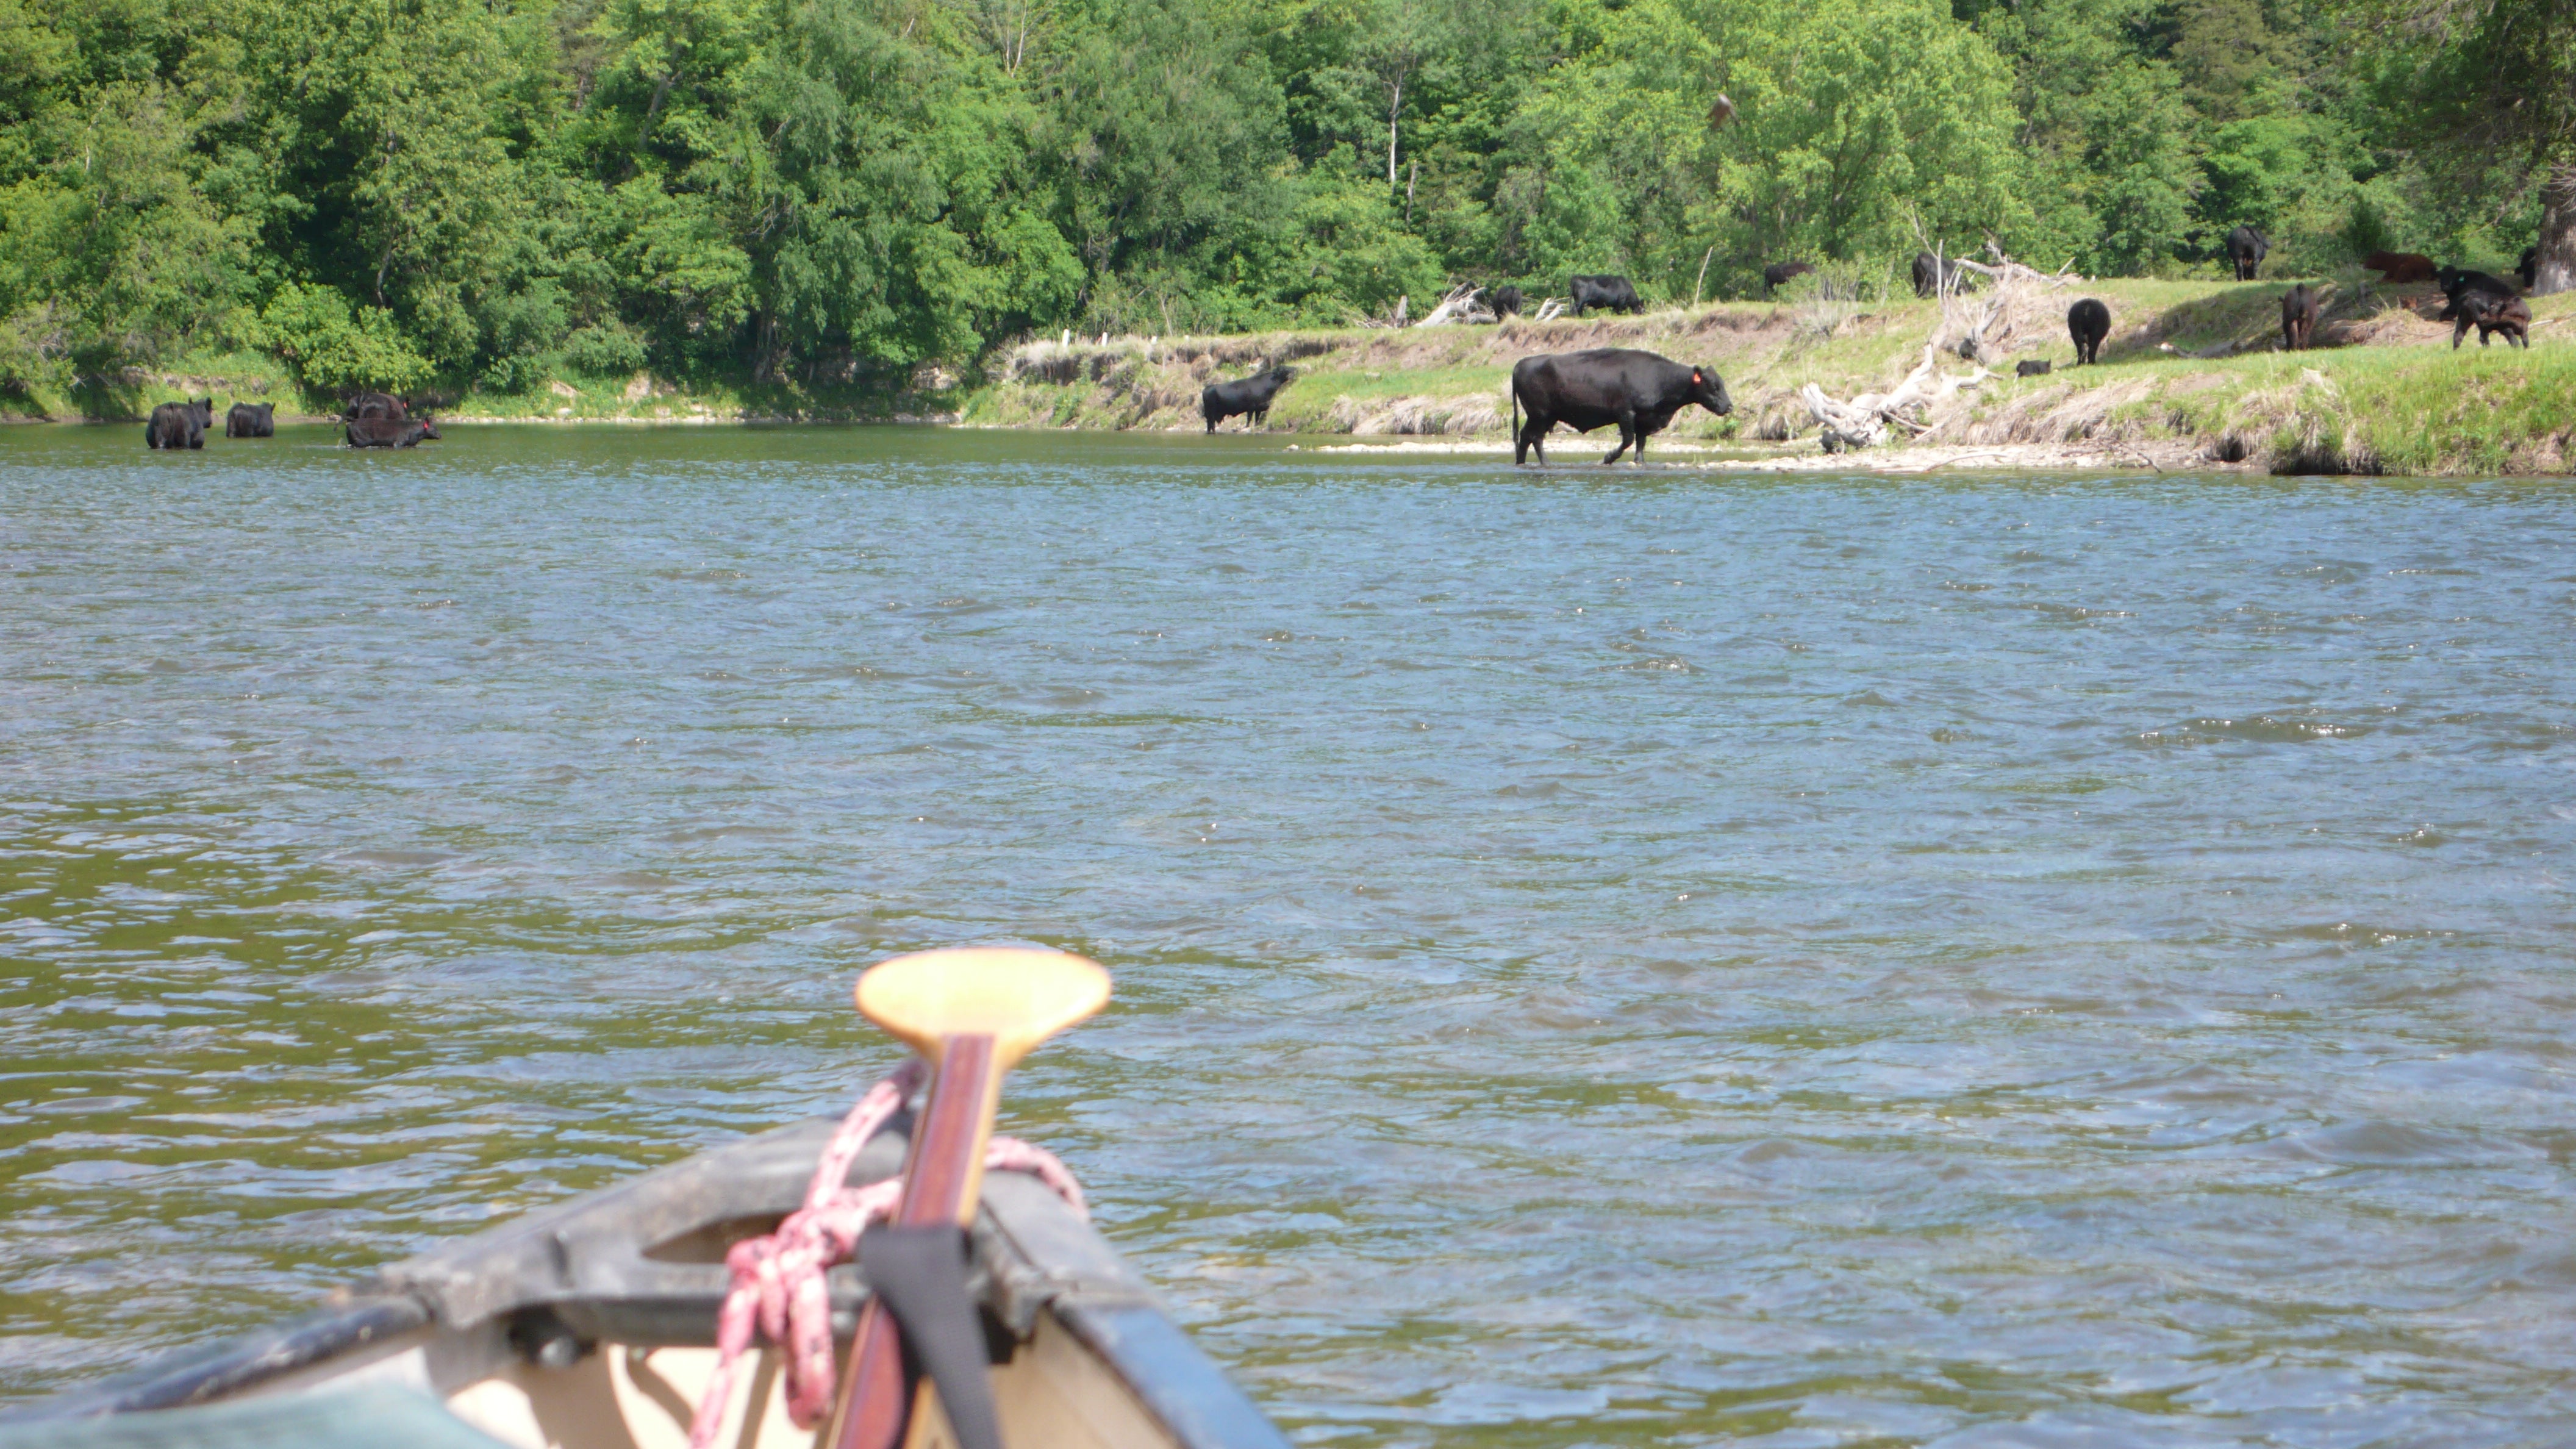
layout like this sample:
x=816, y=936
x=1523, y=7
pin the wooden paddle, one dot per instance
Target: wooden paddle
x=972, y=1014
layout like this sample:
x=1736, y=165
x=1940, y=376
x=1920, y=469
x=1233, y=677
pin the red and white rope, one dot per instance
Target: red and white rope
x=778, y=1279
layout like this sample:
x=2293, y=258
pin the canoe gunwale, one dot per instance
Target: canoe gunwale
x=597, y=1263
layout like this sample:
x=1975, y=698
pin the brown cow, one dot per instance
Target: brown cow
x=2400, y=267
x=2298, y=317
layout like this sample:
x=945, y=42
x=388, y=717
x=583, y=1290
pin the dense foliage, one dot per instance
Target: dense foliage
x=496, y=192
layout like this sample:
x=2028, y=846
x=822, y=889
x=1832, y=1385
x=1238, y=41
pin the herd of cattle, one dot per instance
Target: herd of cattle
x=1640, y=392
x=372, y=420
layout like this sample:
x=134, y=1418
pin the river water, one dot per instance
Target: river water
x=1628, y=959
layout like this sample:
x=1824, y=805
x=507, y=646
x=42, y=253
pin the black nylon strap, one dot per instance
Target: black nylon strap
x=920, y=1276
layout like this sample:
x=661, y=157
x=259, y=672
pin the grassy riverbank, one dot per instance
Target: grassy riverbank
x=2190, y=374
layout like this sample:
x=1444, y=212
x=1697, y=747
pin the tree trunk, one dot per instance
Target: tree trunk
x=1394, y=108
x=2557, y=272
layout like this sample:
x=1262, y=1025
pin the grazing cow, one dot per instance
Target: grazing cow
x=2489, y=314
x=375, y=405
x=1506, y=300
x=251, y=420
x=2298, y=317
x=391, y=432
x=1585, y=390
x=2400, y=267
x=2029, y=368
x=179, y=424
x=2246, y=248
x=1777, y=275
x=1250, y=397
x=2088, y=322
x=2529, y=268
x=1604, y=291
x=2456, y=284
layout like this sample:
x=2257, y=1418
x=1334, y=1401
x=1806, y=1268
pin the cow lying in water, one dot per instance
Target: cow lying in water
x=1250, y=397
x=1585, y=390
x=390, y=432
x=251, y=420
x=179, y=424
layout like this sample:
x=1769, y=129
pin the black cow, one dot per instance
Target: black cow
x=2529, y=268
x=179, y=424
x=2088, y=322
x=251, y=420
x=1585, y=390
x=1604, y=291
x=1251, y=396
x=1506, y=300
x=2489, y=314
x=2298, y=317
x=2029, y=368
x=1931, y=274
x=2456, y=284
x=1777, y=275
x=375, y=405
x=391, y=432
x=2246, y=248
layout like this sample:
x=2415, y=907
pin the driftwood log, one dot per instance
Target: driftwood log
x=1976, y=328
x=1461, y=305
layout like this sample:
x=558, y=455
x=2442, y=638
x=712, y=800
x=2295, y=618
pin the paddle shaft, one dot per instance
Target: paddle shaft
x=943, y=1180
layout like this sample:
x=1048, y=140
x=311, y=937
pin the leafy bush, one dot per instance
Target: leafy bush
x=330, y=350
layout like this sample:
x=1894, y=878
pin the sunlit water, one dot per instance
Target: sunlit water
x=1631, y=959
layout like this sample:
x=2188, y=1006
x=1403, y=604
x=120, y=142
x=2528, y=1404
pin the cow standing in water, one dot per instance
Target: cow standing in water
x=179, y=424
x=1250, y=397
x=251, y=420
x=1585, y=390
x=375, y=405
x=2246, y=248
x=2088, y=322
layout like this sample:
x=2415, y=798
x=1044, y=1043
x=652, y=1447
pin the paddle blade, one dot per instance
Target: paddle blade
x=1017, y=996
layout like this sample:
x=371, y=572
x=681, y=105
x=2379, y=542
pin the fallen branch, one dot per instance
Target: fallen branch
x=1863, y=422
x=1460, y=305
